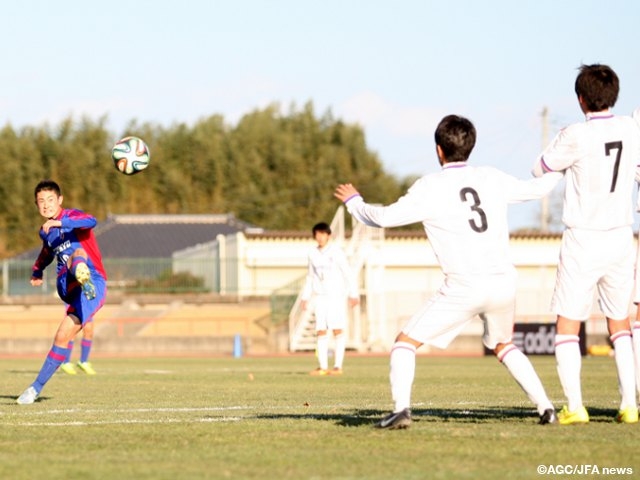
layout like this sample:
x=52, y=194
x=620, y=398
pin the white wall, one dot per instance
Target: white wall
x=255, y=265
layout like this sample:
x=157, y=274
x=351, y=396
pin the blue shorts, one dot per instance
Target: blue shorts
x=70, y=291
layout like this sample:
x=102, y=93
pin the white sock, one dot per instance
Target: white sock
x=402, y=371
x=523, y=372
x=341, y=341
x=569, y=364
x=322, y=347
x=636, y=352
x=623, y=353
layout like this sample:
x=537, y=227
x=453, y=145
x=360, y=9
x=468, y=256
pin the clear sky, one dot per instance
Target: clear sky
x=393, y=66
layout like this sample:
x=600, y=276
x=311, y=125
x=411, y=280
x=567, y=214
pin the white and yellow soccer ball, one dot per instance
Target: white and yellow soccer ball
x=130, y=155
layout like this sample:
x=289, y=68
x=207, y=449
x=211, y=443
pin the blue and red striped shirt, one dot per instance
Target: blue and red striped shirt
x=76, y=232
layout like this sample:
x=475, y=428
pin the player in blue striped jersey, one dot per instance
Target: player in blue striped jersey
x=67, y=237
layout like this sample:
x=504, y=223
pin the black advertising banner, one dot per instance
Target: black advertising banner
x=539, y=338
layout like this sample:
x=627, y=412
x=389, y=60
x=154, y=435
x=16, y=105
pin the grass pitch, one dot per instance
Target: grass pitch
x=266, y=418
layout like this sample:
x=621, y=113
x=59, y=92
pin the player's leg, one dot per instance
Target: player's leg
x=620, y=336
x=437, y=323
x=521, y=369
x=636, y=345
x=78, y=267
x=569, y=366
x=68, y=329
x=321, y=312
x=337, y=323
x=340, y=340
x=87, y=342
x=579, y=270
x=636, y=325
x=402, y=366
x=67, y=367
x=615, y=290
x=322, y=353
x=498, y=321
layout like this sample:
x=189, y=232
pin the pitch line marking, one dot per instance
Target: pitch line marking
x=128, y=422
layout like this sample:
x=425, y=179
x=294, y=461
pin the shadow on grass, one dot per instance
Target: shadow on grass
x=11, y=399
x=369, y=417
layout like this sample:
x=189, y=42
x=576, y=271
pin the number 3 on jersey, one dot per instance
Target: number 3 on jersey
x=469, y=195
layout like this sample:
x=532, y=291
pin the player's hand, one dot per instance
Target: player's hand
x=49, y=224
x=345, y=191
x=36, y=282
x=303, y=304
x=353, y=302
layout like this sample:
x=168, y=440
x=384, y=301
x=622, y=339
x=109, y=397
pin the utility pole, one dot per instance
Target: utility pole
x=544, y=215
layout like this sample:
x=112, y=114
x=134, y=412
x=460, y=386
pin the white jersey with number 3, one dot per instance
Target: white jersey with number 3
x=464, y=212
x=600, y=159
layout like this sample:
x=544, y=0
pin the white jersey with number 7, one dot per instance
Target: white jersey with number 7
x=600, y=158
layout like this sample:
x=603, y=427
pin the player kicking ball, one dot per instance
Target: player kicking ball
x=67, y=237
x=464, y=213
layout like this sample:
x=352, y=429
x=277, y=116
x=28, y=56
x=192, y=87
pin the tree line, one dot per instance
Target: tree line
x=272, y=169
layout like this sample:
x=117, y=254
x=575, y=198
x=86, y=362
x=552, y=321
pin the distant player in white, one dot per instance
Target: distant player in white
x=464, y=212
x=636, y=295
x=600, y=160
x=329, y=280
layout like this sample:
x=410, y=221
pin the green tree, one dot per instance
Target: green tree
x=273, y=168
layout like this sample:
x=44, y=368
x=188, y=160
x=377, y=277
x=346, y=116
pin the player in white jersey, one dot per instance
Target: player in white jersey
x=600, y=160
x=464, y=212
x=329, y=280
x=636, y=297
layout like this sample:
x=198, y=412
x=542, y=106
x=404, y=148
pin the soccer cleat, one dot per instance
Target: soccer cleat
x=28, y=396
x=565, y=417
x=627, y=415
x=319, y=372
x=548, y=416
x=68, y=368
x=83, y=275
x=87, y=368
x=335, y=371
x=396, y=420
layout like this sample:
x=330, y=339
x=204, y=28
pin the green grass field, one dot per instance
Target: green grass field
x=266, y=418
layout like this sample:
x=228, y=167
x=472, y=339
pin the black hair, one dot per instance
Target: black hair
x=321, y=227
x=47, y=185
x=456, y=136
x=598, y=85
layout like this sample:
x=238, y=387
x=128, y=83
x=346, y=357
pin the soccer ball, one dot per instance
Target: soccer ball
x=130, y=155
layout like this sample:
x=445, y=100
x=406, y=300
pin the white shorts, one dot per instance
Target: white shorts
x=593, y=260
x=330, y=312
x=636, y=289
x=458, y=301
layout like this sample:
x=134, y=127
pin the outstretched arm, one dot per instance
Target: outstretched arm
x=406, y=210
x=78, y=219
x=345, y=192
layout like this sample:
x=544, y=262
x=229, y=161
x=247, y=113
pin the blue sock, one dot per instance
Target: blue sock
x=55, y=357
x=70, y=347
x=86, y=350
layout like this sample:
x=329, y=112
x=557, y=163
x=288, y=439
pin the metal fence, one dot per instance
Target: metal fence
x=139, y=275
x=283, y=299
